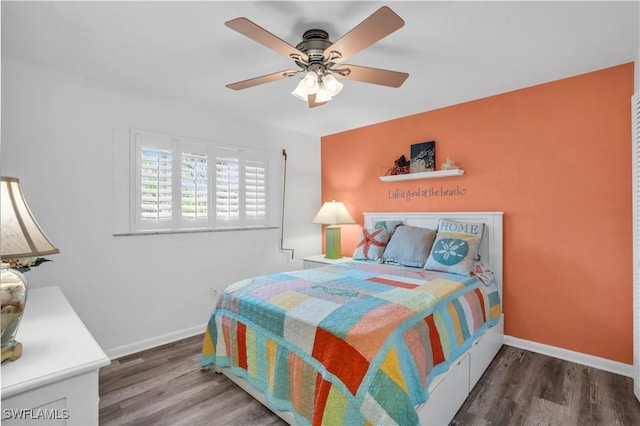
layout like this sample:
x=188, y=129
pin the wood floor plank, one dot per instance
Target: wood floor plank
x=165, y=386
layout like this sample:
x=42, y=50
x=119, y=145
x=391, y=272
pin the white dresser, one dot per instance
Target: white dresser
x=55, y=381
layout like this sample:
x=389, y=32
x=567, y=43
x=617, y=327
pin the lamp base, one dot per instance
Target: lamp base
x=13, y=294
x=12, y=351
x=333, y=249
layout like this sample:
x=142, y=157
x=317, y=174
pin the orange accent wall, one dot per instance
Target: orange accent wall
x=556, y=159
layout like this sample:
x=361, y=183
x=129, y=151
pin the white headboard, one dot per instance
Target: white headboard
x=491, y=247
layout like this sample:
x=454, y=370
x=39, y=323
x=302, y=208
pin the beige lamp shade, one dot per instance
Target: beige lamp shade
x=21, y=236
x=333, y=213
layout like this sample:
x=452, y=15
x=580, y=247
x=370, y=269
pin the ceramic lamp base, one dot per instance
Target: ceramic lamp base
x=333, y=245
x=12, y=351
x=13, y=293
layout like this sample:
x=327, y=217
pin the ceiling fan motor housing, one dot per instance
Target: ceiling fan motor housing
x=313, y=44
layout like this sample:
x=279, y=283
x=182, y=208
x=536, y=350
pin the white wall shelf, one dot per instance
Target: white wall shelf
x=422, y=175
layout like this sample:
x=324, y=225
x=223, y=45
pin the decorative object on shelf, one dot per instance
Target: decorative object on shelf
x=400, y=166
x=423, y=157
x=22, y=241
x=449, y=164
x=332, y=214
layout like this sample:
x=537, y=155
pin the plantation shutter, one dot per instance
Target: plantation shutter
x=227, y=197
x=194, y=186
x=635, y=133
x=186, y=184
x=154, y=200
x=255, y=186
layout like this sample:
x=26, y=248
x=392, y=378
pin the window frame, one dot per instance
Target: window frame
x=178, y=147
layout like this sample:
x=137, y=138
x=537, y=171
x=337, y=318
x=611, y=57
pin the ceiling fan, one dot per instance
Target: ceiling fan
x=320, y=61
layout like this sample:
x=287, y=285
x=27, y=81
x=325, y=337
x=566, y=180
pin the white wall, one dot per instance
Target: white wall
x=59, y=135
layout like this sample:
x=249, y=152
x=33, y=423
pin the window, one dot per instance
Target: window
x=255, y=189
x=227, y=186
x=155, y=183
x=194, y=186
x=181, y=184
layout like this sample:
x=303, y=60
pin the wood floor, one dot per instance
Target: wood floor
x=165, y=386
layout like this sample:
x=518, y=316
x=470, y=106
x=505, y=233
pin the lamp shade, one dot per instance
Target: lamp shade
x=300, y=91
x=332, y=85
x=21, y=236
x=310, y=82
x=322, y=95
x=333, y=213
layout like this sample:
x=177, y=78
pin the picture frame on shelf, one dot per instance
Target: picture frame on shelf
x=423, y=157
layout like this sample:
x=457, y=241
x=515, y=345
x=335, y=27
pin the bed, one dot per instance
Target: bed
x=374, y=341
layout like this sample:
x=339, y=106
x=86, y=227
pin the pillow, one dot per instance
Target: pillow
x=464, y=230
x=371, y=244
x=452, y=254
x=389, y=225
x=409, y=246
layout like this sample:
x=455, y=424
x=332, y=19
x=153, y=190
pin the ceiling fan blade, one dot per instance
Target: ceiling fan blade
x=380, y=24
x=244, y=84
x=371, y=75
x=264, y=37
x=312, y=101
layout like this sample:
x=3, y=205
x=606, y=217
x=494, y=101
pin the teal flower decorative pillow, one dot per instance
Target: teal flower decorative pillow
x=371, y=244
x=453, y=255
x=456, y=247
x=457, y=229
x=450, y=251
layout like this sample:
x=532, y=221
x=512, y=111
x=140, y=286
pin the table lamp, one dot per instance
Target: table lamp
x=332, y=214
x=20, y=237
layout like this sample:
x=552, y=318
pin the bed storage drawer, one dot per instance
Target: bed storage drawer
x=483, y=350
x=448, y=395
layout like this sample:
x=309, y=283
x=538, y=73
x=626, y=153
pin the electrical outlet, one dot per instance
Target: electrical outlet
x=213, y=292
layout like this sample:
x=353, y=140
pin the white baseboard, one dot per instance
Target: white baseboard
x=567, y=355
x=155, y=341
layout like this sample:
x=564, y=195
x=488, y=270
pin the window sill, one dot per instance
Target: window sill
x=191, y=231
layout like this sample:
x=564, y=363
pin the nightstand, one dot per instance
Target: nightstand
x=319, y=260
x=55, y=381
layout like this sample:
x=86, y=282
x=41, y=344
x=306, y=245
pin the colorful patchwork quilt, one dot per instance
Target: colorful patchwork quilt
x=352, y=343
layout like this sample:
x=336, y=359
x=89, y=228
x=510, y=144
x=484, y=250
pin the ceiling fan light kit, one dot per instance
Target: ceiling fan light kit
x=324, y=86
x=320, y=60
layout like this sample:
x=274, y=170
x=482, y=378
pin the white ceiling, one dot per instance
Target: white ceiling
x=454, y=51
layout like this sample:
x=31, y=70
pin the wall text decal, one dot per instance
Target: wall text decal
x=430, y=192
